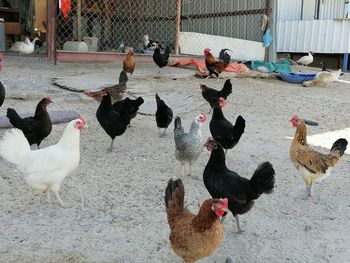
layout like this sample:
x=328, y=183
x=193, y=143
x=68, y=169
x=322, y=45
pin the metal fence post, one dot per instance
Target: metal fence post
x=178, y=23
x=273, y=47
x=51, y=29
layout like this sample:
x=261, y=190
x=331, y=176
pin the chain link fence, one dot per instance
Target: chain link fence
x=113, y=25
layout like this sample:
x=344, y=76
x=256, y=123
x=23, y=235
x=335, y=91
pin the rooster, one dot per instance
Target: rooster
x=129, y=63
x=35, y=128
x=2, y=93
x=222, y=130
x=164, y=115
x=312, y=165
x=224, y=183
x=216, y=67
x=188, y=146
x=193, y=237
x=212, y=95
x=44, y=169
x=161, y=59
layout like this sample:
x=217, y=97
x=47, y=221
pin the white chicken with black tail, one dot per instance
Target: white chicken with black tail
x=44, y=169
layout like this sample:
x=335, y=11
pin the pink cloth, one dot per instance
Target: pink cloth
x=200, y=65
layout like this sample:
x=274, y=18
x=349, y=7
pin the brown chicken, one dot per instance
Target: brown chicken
x=214, y=66
x=129, y=62
x=312, y=165
x=193, y=237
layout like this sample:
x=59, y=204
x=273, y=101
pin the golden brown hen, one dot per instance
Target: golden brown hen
x=129, y=62
x=193, y=236
x=312, y=165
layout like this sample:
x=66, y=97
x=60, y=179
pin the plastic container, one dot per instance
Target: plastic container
x=75, y=46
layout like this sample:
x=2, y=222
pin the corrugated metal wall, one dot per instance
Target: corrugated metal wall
x=237, y=19
x=331, y=9
x=320, y=36
x=289, y=10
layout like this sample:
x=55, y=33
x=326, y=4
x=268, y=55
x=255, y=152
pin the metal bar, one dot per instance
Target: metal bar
x=178, y=24
x=345, y=62
x=79, y=20
x=273, y=26
x=51, y=29
x=231, y=13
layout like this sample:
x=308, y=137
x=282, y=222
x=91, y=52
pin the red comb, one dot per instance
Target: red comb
x=225, y=202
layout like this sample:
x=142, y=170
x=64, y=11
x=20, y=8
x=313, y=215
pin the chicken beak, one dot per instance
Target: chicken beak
x=310, y=123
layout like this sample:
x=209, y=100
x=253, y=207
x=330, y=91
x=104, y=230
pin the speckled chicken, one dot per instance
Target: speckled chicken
x=188, y=146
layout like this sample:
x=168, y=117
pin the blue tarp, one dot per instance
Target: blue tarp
x=296, y=78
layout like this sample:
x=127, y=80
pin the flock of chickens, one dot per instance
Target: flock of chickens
x=193, y=236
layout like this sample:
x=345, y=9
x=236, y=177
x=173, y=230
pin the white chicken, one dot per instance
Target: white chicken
x=25, y=47
x=44, y=169
x=306, y=60
x=323, y=78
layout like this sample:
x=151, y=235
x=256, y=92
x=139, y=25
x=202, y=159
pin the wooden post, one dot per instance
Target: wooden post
x=79, y=20
x=178, y=23
x=51, y=29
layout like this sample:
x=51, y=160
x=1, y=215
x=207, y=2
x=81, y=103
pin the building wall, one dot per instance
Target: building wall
x=291, y=10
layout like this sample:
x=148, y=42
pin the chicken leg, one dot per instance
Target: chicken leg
x=59, y=199
x=190, y=170
x=240, y=231
x=110, y=149
x=308, y=191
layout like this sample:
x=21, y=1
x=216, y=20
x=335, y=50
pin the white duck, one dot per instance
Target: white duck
x=306, y=60
x=25, y=47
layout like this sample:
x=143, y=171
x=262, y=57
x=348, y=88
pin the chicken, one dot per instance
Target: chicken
x=323, y=78
x=312, y=165
x=25, y=47
x=216, y=67
x=164, y=115
x=114, y=123
x=44, y=169
x=134, y=106
x=224, y=183
x=129, y=62
x=212, y=95
x=306, y=60
x=161, y=59
x=115, y=91
x=188, y=146
x=2, y=94
x=193, y=237
x=35, y=128
x=222, y=130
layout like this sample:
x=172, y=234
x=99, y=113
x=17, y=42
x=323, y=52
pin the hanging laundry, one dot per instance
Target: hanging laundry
x=65, y=6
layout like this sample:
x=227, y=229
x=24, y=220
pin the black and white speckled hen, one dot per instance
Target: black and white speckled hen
x=222, y=130
x=224, y=183
x=188, y=146
x=35, y=128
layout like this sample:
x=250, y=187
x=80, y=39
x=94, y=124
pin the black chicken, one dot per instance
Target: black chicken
x=222, y=130
x=2, y=94
x=164, y=115
x=114, y=123
x=161, y=59
x=134, y=106
x=213, y=95
x=224, y=183
x=36, y=128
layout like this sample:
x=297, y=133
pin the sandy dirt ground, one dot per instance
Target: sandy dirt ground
x=124, y=220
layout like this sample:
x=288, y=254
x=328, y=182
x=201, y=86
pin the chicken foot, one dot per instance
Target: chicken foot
x=308, y=191
x=59, y=199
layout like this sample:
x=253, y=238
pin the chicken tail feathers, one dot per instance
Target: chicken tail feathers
x=226, y=89
x=166, y=52
x=224, y=56
x=263, y=179
x=177, y=123
x=14, y=146
x=174, y=197
x=239, y=127
x=13, y=117
x=339, y=147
